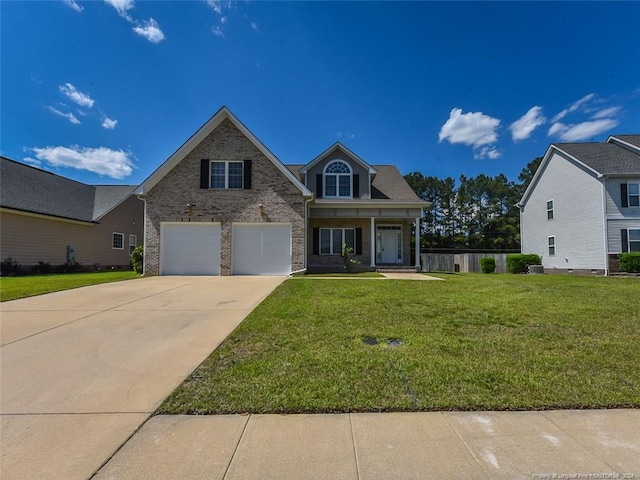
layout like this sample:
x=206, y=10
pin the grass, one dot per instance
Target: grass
x=490, y=342
x=12, y=288
x=341, y=275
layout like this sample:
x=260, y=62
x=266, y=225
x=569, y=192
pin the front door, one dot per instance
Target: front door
x=389, y=244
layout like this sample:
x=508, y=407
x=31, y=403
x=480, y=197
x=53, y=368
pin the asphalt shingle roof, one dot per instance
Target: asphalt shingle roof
x=605, y=158
x=388, y=184
x=30, y=189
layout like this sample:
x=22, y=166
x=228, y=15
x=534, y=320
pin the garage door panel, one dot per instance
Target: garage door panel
x=261, y=249
x=190, y=249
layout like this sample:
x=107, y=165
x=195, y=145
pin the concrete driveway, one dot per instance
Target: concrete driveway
x=81, y=370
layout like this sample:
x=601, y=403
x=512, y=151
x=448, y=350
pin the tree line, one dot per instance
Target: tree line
x=472, y=213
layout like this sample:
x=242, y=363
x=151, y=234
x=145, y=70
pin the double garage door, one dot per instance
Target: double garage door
x=195, y=249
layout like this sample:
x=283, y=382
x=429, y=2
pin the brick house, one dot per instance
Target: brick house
x=224, y=204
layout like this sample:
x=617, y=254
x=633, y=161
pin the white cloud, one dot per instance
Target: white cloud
x=607, y=112
x=573, y=107
x=109, y=123
x=215, y=5
x=582, y=131
x=474, y=129
x=122, y=7
x=522, y=128
x=76, y=96
x=73, y=4
x=254, y=25
x=217, y=31
x=150, y=30
x=102, y=160
x=487, y=152
x=32, y=161
x=69, y=116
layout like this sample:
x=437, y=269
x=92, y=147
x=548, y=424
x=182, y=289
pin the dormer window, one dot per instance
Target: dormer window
x=337, y=180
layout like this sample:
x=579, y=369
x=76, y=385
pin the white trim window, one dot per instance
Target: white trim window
x=133, y=243
x=226, y=175
x=551, y=242
x=332, y=240
x=549, y=209
x=633, y=194
x=117, y=241
x=634, y=240
x=337, y=180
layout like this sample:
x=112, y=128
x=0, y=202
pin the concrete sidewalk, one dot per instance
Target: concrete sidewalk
x=83, y=369
x=441, y=445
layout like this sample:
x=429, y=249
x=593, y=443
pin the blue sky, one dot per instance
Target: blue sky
x=105, y=91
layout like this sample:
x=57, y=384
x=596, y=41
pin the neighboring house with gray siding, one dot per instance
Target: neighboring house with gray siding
x=582, y=207
x=223, y=203
x=49, y=218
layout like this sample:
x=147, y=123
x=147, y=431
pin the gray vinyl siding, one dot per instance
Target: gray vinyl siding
x=356, y=169
x=578, y=217
x=614, y=201
x=614, y=240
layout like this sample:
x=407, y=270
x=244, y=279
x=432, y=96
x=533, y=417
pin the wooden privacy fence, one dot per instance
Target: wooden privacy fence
x=460, y=262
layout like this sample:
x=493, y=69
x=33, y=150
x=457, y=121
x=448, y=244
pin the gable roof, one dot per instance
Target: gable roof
x=30, y=189
x=388, y=185
x=618, y=156
x=200, y=135
x=346, y=151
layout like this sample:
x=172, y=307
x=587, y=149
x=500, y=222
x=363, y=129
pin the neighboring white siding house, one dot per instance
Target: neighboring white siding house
x=573, y=213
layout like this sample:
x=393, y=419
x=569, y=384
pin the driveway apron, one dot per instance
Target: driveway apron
x=81, y=370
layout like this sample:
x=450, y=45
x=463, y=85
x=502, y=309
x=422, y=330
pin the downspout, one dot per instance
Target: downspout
x=603, y=179
x=306, y=224
x=144, y=234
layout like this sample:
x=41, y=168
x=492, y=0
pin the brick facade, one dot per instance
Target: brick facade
x=167, y=201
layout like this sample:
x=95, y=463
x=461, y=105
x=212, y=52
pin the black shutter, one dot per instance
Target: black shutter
x=204, y=173
x=623, y=195
x=625, y=240
x=356, y=186
x=316, y=241
x=358, y=241
x=247, y=174
x=319, y=185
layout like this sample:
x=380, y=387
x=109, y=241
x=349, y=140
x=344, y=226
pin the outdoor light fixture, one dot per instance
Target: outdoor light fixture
x=190, y=207
x=261, y=210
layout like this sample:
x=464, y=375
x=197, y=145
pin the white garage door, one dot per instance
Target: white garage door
x=190, y=249
x=261, y=249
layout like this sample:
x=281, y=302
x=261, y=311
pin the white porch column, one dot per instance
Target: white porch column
x=418, y=238
x=373, y=242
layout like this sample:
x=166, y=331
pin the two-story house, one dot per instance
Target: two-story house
x=224, y=204
x=582, y=207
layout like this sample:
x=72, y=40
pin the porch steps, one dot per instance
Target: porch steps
x=398, y=269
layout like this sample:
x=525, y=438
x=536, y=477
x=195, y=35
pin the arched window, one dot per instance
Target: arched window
x=337, y=180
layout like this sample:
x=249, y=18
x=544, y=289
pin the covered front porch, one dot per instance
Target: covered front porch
x=379, y=237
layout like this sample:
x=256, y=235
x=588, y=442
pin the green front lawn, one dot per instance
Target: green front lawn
x=12, y=288
x=471, y=342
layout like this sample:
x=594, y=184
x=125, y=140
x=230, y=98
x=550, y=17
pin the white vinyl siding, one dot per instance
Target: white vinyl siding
x=614, y=231
x=578, y=223
x=614, y=200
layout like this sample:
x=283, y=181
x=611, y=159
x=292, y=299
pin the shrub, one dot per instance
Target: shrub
x=137, y=259
x=69, y=267
x=348, y=261
x=519, y=262
x=10, y=267
x=488, y=265
x=630, y=262
x=42, y=267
